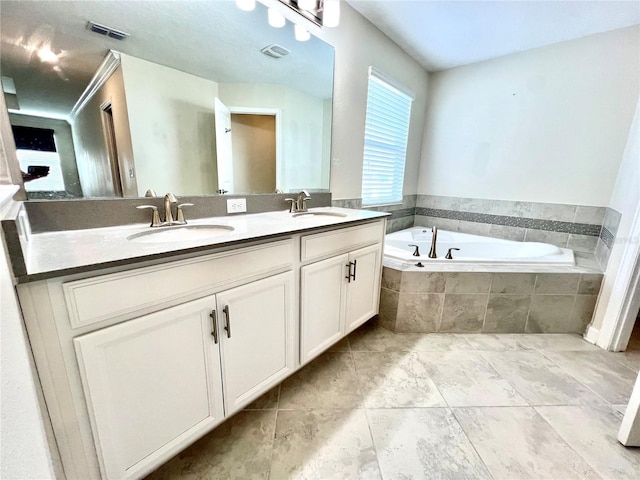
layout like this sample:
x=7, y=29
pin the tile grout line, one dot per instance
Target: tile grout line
x=542, y=352
x=452, y=410
x=529, y=404
x=273, y=439
x=486, y=306
x=531, y=295
x=366, y=413
x=544, y=419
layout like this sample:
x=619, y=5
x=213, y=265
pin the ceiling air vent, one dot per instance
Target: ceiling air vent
x=275, y=51
x=108, y=31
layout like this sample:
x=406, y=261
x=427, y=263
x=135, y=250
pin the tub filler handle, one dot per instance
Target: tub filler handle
x=416, y=252
x=448, y=255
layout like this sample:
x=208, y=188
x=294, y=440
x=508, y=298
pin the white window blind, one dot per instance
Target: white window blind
x=385, y=142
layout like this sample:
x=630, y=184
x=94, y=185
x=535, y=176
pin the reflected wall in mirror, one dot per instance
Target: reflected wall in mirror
x=186, y=103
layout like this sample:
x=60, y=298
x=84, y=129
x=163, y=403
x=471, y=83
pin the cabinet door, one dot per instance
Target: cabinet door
x=256, y=330
x=363, y=291
x=152, y=385
x=322, y=305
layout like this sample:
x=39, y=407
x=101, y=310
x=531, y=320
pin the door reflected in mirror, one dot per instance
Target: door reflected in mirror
x=196, y=114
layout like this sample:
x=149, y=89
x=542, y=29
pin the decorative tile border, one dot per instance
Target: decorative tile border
x=611, y=223
x=519, y=222
x=607, y=237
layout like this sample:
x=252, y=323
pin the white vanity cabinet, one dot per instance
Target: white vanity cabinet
x=341, y=292
x=138, y=361
x=257, y=343
x=151, y=384
x=154, y=383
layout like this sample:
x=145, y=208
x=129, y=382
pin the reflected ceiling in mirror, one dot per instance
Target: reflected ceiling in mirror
x=153, y=107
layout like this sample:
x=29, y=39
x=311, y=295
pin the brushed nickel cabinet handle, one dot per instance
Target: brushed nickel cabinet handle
x=214, y=321
x=227, y=326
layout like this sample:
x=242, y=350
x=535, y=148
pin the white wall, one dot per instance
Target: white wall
x=626, y=200
x=302, y=130
x=24, y=450
x=546, y=125
x=171, y=117
x=358, y=45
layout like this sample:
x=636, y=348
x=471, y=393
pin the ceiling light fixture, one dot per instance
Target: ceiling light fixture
x=246, y=5
x=301, y=33
x=330, y=13
x=276, y=19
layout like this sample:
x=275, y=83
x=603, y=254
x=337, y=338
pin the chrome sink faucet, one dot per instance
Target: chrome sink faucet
x=169, y=201
x=434, y=239
x=303, y=196
x=299, y=204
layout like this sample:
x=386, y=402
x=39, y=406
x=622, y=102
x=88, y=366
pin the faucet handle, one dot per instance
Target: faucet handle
x=155, y=217
x=180, y=214
x=448, y=256
x=293, y=205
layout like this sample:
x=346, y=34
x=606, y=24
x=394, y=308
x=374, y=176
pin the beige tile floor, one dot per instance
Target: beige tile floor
x=380, y=405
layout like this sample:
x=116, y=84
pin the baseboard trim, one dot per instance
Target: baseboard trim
x=592, y=335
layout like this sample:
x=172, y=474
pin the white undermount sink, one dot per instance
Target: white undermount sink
x=180, y=233
x=317, y=214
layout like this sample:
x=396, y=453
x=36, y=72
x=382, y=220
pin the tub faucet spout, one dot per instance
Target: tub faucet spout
x=434, y=239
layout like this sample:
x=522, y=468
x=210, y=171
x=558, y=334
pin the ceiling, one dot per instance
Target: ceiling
x=445, y=34
x=210, y=39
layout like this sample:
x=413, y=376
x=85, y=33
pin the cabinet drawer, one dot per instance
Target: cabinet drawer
x=127, y=294
x=321, y=245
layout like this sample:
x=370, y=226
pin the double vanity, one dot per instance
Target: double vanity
x=146, y=339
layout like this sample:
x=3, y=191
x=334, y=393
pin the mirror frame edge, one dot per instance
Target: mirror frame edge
x=10, y=172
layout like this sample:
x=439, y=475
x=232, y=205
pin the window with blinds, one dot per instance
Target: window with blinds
x=385, y=141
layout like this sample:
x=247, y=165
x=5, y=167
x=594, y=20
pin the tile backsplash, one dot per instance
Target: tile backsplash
x=402, y=214
x=55, y=215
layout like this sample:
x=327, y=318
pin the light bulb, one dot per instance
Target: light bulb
x=301, y=33
x=276, y=19
x=331, y=13
x=246, y=5
x=307, y=4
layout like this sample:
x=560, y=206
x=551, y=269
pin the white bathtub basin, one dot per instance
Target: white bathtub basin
x=473, y=249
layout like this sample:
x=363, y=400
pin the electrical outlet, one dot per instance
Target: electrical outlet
x=236, y=205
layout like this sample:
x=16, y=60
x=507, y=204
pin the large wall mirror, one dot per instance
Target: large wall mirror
x=200, y=98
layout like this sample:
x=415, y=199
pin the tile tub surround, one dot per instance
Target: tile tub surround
x=474, y=302
x=607, y=236
x=448, y=406
x=571, y=226
x=402, y=214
